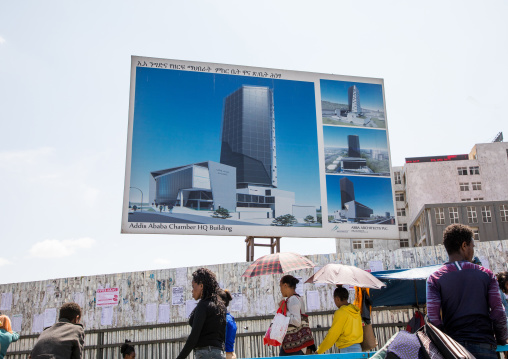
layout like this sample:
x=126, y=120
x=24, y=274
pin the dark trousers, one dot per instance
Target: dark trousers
x=481, y=350
x=282, y=353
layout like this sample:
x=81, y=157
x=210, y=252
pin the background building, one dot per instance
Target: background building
x=434, y=192
x=353, y=96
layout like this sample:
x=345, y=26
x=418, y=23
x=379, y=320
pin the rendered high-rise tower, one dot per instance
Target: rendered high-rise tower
x=354, y=145
x=248, y=136
x=353, y=96
x=347, y=191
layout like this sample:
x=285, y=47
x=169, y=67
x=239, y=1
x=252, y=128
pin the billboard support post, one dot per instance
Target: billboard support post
x=250, y=244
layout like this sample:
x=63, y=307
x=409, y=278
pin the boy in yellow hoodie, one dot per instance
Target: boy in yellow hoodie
x=346, y=331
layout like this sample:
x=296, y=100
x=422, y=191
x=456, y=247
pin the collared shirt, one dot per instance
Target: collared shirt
x=468, y=297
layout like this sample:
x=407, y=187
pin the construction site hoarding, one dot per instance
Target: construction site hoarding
x=218, y=149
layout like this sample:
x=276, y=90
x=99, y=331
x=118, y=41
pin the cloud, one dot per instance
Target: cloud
x=4, y=262
x=2, y=40
x=162, y=262
x=54, y=248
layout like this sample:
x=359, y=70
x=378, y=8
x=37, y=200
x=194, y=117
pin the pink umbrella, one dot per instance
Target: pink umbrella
x=277, y=263
x=334, y=273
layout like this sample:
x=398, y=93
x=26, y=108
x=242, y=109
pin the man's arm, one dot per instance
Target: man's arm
x=77, y=350
x=433, y=302
x=497, y=313
x=333, y=334
x=197, y=326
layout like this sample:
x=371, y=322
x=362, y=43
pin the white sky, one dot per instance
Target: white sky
x=64, y=97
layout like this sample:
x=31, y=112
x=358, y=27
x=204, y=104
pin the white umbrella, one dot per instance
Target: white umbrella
x=334, y=273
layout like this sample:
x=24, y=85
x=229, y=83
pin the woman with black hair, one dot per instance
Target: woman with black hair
x=298, y=335
x=127, y=350
x=230, y=326
x=208, y=319
x=346, y=331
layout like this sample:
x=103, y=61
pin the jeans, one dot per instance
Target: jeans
x=282, y=353
x=209, y=353
x=355, y=348
x=480, y=350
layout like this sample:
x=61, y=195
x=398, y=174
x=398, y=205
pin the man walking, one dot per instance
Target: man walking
x=463, y=298
x=65, y=339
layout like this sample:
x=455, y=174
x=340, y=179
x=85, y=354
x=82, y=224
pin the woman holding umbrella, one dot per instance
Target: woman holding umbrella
x=298, y=335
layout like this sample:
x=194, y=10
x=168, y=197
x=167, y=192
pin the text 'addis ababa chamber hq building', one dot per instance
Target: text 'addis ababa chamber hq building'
x=245, y=180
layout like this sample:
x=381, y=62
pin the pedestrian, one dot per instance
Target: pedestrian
x=127, y=350
x=502, y=279
x=64, y=339
x=7, y=336
x=230, y=327
x=463, y=298
x=346, y=331
x=208, y=319
x=298, y=336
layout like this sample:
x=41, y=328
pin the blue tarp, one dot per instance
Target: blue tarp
x=400, y=286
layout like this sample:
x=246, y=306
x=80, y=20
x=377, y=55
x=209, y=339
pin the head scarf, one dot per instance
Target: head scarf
x=5, y=323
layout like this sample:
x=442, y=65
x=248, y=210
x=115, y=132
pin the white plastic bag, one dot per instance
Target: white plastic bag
x=279, y=327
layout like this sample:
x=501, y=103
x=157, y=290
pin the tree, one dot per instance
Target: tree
x=221, y=213
x=284, y=220
x=309, y=219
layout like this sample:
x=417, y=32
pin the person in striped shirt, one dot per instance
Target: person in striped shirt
x=463, y=298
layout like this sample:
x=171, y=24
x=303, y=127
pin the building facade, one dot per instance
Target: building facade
x=353, y=96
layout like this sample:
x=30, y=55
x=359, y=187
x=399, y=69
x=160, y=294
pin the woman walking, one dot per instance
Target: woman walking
x=298, y=335
x=208, y=319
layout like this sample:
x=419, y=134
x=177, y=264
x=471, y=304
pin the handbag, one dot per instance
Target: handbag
x=277, y=329
x=369, y=339
x=300, y=337
x=445, y=345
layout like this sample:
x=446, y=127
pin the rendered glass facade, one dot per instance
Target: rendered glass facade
x=248, y=136
x=354, y=146
x=353, y=96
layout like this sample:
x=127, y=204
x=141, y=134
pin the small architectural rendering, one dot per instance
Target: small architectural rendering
x=356, y=151
x=345, y=194
x=341, y=104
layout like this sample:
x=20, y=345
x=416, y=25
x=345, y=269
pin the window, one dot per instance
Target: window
x=486, y=214
x=462, y=171
x=403, y=227
x=471, y=215
x=454, y=214
x=464, y=186
x=466, y=199
x=399, y=196
x=369, y=244
x=476, y=233
x=439, y=215
x=477, y=186
x=503, y=211
x=396, y=178
x=474, y=170
x=478, y=199
x=357, y=244
x=404, y=243
x=401, y=212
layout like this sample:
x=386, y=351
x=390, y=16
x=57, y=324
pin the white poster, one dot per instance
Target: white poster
x=38, y=323
x=79, y=297
x=6, y=301
x=334, y=183
x=189, y=306
x=17, y=320
x=163, y=313
x=313, y=302
x=177, y=297
x=49, y=317
x=107, y=315
x=107, y=297
x=376, y=266
x=299, y=286
x=236, y=304
x=151, y=313
x=181, y=276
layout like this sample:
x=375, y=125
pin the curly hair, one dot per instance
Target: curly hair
x=70, y=311
x=211, y=289
x=502, y=279
x=456, y=234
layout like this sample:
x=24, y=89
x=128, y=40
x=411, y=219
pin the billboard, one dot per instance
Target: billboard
x=219, y=149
